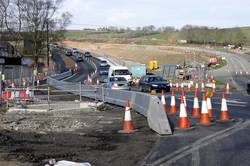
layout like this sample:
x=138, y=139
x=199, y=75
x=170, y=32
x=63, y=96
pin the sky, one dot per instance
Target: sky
x=177, y=13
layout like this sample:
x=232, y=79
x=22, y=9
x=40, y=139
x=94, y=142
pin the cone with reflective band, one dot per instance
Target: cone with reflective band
x=202, y=87
x=196, y=87
x=196, y=108
x=89, y=80
x=209, y=108
x=163, y=101
x=171, y=85
x=182, y=86
x=204, y=119
x=177, y=86
x=224, y=114
x=128, y=126
x=13, y=84
x=97, y=82
x=173, y=109
x=184, y=99
x=189, y=86
x=227, y=88
x=183, y=121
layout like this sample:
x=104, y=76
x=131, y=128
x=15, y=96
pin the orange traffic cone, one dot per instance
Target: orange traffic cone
x=182, y=86
x=184, y=99
x=227, y=88
x=89, y=80
x=97, y=82
x=224, y=114
x=202, y=87
x=204, y=119
x=196, y=108
x=163, y=101
x=183, y=121
x=128, y=126
x=177, y=86
x=173, y=109
x=12, y=84
x=196, y=87
x=189, y=86
x=209, y=108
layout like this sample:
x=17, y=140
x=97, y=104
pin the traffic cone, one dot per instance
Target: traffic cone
x=97, y=82
x=173, y=109
x=12, y=84
x=204, y=119
x=37, y=82
x=209, y=108
x=89, y=80
x=177, y=86
x=224, y=114
x=227, y=88
x=196, y=108
x=128, y=126
x=196, y=87
x=189, y=86
x=163, y=101
x=183, y=121
x=184, y=98
x=202, y=87
x=182, y=86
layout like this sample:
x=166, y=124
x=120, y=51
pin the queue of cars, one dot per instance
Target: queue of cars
x=119, y=77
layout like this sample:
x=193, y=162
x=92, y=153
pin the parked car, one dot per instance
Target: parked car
x=153, y=82
x=87, y=54
x=117, y=83
x=74, y=51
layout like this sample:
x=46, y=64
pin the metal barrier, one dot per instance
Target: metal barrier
x=145, y=104
x=62, y=75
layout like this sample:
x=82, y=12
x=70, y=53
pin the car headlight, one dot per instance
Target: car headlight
x=154, y=85
x=115, y=84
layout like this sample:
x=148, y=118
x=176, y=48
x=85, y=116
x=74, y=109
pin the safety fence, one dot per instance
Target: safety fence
x=145, y=104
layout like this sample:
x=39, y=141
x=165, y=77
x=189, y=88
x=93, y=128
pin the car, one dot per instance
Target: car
x=87, y=54
x=153, y=82
x=103, y=70
x=74, y=51
x=79, y=58
x=117, y=83
x=68, y=53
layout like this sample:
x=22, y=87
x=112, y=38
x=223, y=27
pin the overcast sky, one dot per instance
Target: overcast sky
x=133, y=13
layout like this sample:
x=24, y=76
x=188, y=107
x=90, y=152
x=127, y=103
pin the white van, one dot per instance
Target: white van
x=120, y=71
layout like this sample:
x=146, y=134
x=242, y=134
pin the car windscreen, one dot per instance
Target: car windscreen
x=155, y=79
x=103, y=61
x=121, y=72
x=113, y=79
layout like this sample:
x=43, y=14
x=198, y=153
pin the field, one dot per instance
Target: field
x=142, y=53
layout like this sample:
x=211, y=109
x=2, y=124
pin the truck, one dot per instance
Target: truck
x=138, y=70
x=120, y=71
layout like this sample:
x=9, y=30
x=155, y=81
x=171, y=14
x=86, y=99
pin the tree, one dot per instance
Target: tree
x=31, y=19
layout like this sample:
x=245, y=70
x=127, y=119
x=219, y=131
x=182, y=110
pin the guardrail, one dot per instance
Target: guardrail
x=145, y=104
x=62, y=75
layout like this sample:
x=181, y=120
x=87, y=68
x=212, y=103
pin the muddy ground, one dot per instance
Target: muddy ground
x=29, y=138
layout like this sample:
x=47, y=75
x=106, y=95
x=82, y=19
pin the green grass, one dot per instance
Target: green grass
x=221, y=64
x=139, y=37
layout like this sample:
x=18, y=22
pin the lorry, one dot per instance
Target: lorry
x=120, y=71
x=138, y=70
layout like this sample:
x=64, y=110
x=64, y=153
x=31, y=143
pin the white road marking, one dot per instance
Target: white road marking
x=178, y=154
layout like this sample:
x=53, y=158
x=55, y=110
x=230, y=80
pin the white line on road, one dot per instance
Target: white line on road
x=178, y=154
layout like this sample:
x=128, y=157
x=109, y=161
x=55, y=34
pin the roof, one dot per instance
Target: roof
x=119, y=67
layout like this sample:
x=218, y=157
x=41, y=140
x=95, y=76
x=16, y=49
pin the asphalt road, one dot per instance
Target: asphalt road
x=226, y=144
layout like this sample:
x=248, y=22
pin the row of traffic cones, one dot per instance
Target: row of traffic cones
x=203, y=89
x=205, y=114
